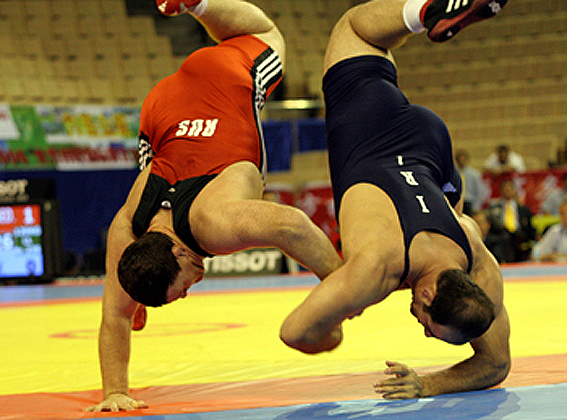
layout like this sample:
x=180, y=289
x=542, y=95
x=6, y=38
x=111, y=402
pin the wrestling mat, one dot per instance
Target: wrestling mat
x=217, y=355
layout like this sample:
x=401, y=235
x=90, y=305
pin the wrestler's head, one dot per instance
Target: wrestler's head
x=458, y=312
x=154, y=270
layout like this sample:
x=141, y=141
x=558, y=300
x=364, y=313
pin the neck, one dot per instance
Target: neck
x=162, y=223
x=432, y=253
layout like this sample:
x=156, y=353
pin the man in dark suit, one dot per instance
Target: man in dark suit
x=512, y=233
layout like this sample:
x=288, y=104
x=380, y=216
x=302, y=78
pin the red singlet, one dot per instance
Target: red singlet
x=205, y=116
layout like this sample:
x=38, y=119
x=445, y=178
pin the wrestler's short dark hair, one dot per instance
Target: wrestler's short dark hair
x=147, y=268
x=461, y=304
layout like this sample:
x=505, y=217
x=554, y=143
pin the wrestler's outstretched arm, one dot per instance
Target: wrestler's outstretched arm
x=488, y=366
x=117, y=311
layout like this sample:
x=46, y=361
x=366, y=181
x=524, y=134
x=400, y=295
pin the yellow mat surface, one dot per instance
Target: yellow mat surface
x=233, y=336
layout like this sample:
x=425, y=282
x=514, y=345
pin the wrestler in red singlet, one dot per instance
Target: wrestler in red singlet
x=200, y=120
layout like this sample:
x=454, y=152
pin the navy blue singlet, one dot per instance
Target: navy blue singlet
x=376, y=136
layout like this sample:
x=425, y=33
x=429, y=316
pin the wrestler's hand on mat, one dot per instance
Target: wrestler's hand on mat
x=404, y=384
x=117, y=402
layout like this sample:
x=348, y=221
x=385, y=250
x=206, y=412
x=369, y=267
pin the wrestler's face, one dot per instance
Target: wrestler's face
x=191, y=272
x=432, y=329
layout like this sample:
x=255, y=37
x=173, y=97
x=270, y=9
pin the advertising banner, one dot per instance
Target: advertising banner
x=7, y=126
x=249, y=263
x=68, y=137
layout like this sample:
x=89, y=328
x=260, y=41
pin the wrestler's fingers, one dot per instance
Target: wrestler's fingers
x=113, y=407
x=389, y=383
x=139, y=404
x=393, y=392
x=395, y=368
x=397, y=395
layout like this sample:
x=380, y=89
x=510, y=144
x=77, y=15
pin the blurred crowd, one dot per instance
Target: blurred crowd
x=506, y=222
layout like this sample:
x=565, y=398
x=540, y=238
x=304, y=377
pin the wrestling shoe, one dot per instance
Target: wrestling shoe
x=445, y=18
x=140, y=317
x=175, y=7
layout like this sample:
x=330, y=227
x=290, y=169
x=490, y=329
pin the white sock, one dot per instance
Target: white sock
x=412, y=8
x=199, y=9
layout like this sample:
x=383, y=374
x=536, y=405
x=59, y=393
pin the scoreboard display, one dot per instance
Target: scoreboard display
x=21, y=241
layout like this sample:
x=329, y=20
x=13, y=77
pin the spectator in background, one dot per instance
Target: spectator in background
x=553, y=202
x=503, y=161
x=496, y=240
x=491, y=241
x=510, y=225
x=553, y=244
x=473, y=184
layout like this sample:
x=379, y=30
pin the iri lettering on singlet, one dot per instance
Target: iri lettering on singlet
x=408, y=175
x=410, y=180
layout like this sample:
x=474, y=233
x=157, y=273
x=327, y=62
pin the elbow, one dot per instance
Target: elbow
x=306, y=345
x=298, y=343
x=309, y=341
x=504, y=370
x=500, y=371
x=297, y=339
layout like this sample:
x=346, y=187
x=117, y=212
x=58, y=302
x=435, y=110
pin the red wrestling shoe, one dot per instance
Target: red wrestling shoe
x=140, y=317
x=444, y=18
x=175, y=7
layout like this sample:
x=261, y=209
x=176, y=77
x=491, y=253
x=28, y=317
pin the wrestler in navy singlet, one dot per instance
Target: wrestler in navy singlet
x=376, y=136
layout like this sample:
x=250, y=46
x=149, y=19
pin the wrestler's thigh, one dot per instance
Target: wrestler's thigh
x=240, y=181
x=224, y=205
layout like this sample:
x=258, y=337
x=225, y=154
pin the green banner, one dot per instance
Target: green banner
x=68, y=138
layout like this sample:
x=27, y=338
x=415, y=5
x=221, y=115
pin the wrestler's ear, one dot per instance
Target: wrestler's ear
x=179, y=251
x=428, y=295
